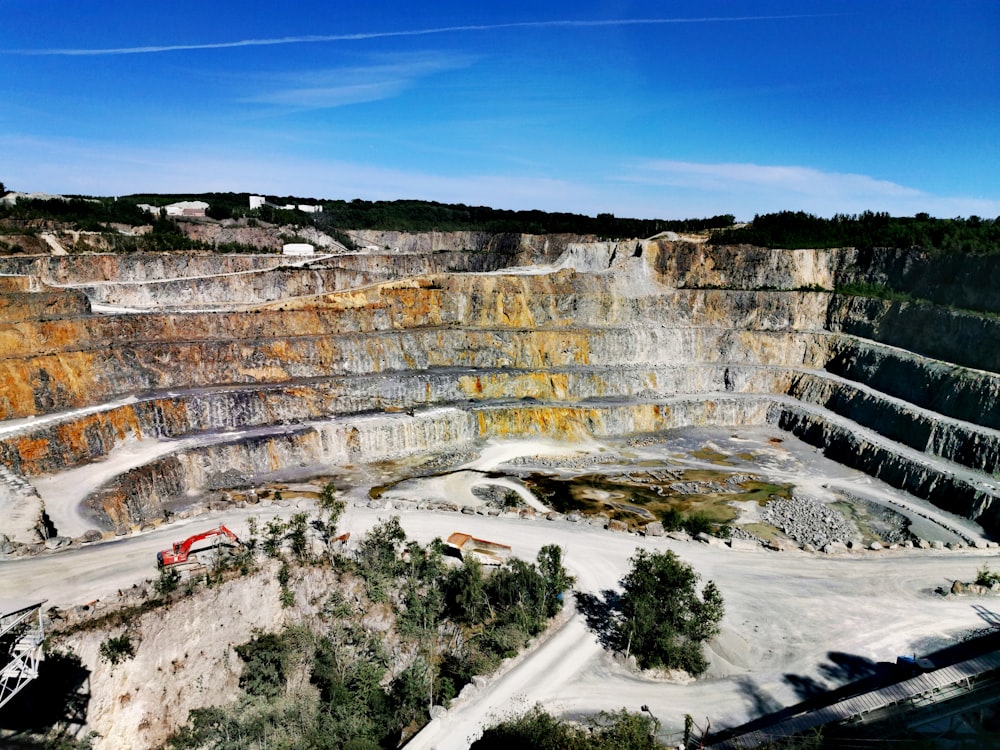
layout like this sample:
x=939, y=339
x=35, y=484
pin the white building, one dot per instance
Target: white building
x=184, y=208
x=257, y=201
x=297, y=248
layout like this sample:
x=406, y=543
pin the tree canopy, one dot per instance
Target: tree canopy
x=664, y=619
x=342, y=682
x=397, y=215
x=796, y=229
x=539, y=730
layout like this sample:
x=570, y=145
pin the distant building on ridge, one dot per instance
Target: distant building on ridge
x=257, y=201
x=183, y=208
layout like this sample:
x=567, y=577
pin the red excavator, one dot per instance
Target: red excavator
x=181, y=550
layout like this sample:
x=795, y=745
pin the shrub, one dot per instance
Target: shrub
x=168, y=581
x=539, y=730
x=296, y=534
x=275, y=532
x=118, y=649
x=697, y=523
x=986, y=577
x=266, y=659
x=673, y=519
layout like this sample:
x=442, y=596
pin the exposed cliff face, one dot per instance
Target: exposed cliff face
x=255, y=367
x=520, y=249
x=901, y=421
x=954, y=336
x=949, y=491
x=185, y=655
x=702, y=266
x=966, y=282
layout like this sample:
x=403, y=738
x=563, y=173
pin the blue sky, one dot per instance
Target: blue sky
x=646, y=109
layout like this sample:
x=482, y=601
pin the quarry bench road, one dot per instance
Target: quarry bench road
x=884, y=603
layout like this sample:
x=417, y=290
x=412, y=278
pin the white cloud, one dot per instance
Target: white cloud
x=754, y=188
x=361, y=36
x=65, y=166
x=320, y=89
x=798, y=180
x=659, y=189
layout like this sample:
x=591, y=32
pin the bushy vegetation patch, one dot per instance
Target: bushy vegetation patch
x=797, y=229
x=430, y=625
x=539, y=730
x=117, y=649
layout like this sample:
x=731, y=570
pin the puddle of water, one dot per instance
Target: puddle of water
x=642, y=497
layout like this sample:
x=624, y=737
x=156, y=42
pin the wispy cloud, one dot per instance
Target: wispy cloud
x=791, y=179
x=39, y=164
x=755, y=188
x=336, y=87
x=682, y=191
x=361, y=36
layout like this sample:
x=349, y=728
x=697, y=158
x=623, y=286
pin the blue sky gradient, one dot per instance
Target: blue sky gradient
x=645, y=109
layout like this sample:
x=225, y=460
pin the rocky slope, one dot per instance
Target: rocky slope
x=240, y=366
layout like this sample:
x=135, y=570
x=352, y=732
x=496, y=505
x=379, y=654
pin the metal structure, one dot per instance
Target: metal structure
x=21, y=636
x=974, y=678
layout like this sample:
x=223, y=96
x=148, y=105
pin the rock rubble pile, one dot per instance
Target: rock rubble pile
x=808, y=521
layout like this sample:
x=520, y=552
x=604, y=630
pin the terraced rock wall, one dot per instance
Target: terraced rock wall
x=242, y=366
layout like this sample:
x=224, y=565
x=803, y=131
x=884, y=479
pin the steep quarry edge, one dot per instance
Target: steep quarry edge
x=689, y=266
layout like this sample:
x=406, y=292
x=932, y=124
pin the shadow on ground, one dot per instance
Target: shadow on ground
x=48, y=708
x=854, y=674
x=601, y=613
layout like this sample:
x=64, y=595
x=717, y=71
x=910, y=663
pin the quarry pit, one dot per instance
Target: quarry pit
x=550, y=390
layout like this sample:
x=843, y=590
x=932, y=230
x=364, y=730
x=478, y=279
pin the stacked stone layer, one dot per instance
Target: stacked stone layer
x=255, y=367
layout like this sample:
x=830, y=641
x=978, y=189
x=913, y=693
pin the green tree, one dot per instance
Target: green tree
x=540, y=730
x=296, y=534
x=412, y=693
x=664, y=618
x=423, y=596
x=168, y=581
x=331, y=509
x=274, y=533
x=379, y=549
x=557, y=580
x=118, y=649
x=517, y=592
x=467, y=598
x=266, y=660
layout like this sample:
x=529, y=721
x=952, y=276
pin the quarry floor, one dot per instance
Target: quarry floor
x=794, y=620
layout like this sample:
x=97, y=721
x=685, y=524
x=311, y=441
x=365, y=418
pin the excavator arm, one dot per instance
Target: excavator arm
x=179, y=552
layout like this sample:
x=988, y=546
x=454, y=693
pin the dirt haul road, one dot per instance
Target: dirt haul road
x=787, y=615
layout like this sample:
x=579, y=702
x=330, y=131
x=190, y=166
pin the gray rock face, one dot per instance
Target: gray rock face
x=654, y=529
x=57, y=542
x=439, y=712
x=453, y=356
x=714, y=541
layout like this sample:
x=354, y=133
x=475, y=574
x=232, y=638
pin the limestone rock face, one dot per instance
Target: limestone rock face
x=240, y=367
x=654, y=529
